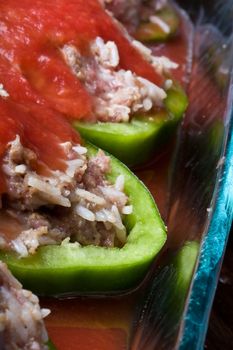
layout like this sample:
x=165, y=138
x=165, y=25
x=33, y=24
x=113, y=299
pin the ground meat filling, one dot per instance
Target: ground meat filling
x=117, y=93
x=21, y=319
x=78, y=205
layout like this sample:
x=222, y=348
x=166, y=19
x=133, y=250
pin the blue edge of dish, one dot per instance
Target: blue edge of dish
x=195, y=322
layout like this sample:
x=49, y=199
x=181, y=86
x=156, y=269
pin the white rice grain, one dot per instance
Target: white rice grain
x=168, y=84
x=163, y=64
x=48, y=192
x=91, y=197
x=73, y=58
x=73, y=166
x=162, y=24
x=118, y=222
x=80, y=149
x=121, y=235
x=107, y=54
x=101, y=216
x=154, y=92
x=45, y=312
x=120, y=182
x=3, y=92
x=127, y=209
x=109, y=215
x=147, y=104
x=21, y=169
x=105, y=215
x=84, y=213
x=145, y=51
x=112, y=194
x=19, y=247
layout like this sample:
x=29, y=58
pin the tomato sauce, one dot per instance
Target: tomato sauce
x=86, y=339
x=40, y=129
x=90, y=323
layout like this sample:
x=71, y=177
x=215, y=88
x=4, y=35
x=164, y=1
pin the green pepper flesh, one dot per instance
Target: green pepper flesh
x=153, y=32
x=185, y=263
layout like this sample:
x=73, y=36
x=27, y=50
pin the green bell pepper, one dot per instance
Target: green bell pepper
x=72, y=268
x=181, y=269
x=165, y=297
x=134, y=142
x=184, y=263
x=153, y=32
x=50, y=345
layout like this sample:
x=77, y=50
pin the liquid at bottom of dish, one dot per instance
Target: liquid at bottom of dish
x=90, y=323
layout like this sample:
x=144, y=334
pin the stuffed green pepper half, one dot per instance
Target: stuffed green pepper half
x=73, y=219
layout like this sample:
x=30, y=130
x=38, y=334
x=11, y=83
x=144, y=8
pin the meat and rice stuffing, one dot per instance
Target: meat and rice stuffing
x=21, y=319
x=117, y=93
x=78, y=205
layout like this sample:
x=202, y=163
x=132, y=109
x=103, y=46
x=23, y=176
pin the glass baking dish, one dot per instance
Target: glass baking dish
x=194, y=192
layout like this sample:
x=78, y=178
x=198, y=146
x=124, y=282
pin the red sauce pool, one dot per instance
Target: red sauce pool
x=86, y=339
x=90, y=323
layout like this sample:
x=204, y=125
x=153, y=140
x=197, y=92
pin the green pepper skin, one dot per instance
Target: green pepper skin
x=73, y=269
x=184, y=263
x=151, y=32
x=50, y=345
x=135, y=142
x=181, y=268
